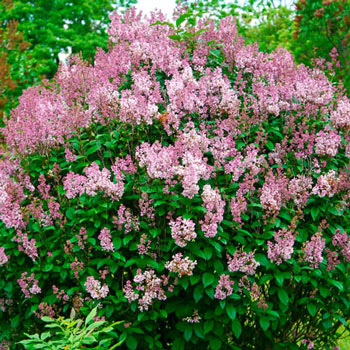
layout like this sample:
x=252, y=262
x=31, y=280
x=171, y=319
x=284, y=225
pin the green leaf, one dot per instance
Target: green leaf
x=337, y=284
x=283, y=296
x=207, y=279
x=324, y=292
x=91, y=315
x=208, y=252
x=231, y=311
x=188, y=333
x=312, y=309
x=236, y=328
x=178, y=344
x=215, y=343
x=70, y=213
x=131, y=342
x=181, y=19
x=198, y=293
x=208, y=326
x=314, y=212
x=264, y=323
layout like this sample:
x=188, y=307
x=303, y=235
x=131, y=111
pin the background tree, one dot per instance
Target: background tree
x=12, y=50
x=320, y=26
x=266, y=22
x=54, y=26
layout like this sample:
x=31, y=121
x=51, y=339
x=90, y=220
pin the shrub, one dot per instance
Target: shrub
x=190, y=185
x=71, y=334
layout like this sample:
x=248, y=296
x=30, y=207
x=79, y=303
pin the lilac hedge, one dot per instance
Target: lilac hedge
x=186, y=183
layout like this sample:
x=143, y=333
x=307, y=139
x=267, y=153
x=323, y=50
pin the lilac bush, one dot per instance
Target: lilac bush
x=186, y=183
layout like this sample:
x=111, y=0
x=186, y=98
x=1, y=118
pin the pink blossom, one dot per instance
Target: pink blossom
x=327, y=143
x=44, y=309
x=313, y=250
x=215, y=207
x=125, y=220
x=94, y=288
x=327, y=185
x=274, y=193
x=299, y=188
x=342, y=241
x=3, y=256
x=29, y=285
x=182, y=231
x=70, y=157
x=224, y=289
x=282, y=249
x=149, y=287
x=243, y=262
x=77, y=266
x=25, y=245
x=95, y=181
x=341, y=116
x=146, y=208
x=106, y=240
x=181, y=266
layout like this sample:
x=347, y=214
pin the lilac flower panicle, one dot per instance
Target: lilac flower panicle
x=106, y=240
x=182, y=231
x=95, y=289
x=3, y=256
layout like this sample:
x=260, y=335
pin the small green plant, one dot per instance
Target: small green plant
x=73, y=333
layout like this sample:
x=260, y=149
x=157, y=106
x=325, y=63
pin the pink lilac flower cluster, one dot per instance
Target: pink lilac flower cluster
x=224, y=287
x=274, y=193
x=181, y=266
x=215, y=207
x=309, y=343
x=10, y=205
x=327, y=185
x=60, y=294
x=35, y=208
x=125, y=220
x=146, y=206
x=25, y=245
x=95, y=289
x=342, y=241
x=95, y=181
x=77, y=266
x=5, y=303
x=327, y=143
x=341, y=115
x=3, y=257
x=106, y=240
x=43, y=187
x=82, y=237
x=123, y=167
x=103, y=273
x=149, y=286
x=195, y=318
x=145, y=246
x=29, y=285
x=282, y=248
x=44, y=309
x=238, y=206
x=243, y=262
x=257, y=296
x=183, y=231
x=332, y=260
x=5, y=344
x=313, y=250
x=299, y=188
x=69, y=156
